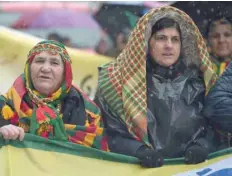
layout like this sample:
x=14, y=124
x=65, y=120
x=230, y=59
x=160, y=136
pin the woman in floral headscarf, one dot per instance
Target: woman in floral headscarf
x=219, y=34
x=43, y=101
x=152, y=95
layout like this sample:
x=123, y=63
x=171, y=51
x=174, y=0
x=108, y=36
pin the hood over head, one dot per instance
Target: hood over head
x=123, y=81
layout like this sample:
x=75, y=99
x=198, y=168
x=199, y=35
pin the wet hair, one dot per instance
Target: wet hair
x=216, y=21
x=165, y=23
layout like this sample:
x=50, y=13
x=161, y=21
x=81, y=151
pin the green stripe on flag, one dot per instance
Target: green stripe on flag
x=39, y=143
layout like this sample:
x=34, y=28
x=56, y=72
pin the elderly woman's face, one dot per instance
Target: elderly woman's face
x=220, y=40
x=165, y=46
x=47, y=72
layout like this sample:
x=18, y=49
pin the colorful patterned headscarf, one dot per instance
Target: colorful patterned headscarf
x=54, y=48
x=122, y=82
x=40, y=115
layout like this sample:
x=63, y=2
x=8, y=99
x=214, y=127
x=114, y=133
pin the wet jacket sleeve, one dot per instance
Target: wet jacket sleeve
x=218, y=104
x=119, y=139
x=2, y=104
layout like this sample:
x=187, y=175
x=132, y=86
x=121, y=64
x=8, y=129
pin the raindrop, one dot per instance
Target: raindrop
x=198, y=11
x=212, y=9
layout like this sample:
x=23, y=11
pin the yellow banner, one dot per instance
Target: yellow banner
x=14, y=47
x=36, y=156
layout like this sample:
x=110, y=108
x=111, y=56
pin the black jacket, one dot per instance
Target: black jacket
x=218, y=106
x=175, y=101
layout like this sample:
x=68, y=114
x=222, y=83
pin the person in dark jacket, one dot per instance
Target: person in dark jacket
x=218, y=107
x=152, y=96
x=43, y=102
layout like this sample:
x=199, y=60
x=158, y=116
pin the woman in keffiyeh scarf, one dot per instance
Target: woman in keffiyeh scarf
x=152, y=95
x=219, y=34
x=43, y=101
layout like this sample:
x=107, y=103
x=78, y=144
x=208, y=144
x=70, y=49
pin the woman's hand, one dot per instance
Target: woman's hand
x=12, y=132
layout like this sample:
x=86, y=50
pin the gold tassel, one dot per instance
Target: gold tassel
x=7, y=112
x=94, y=116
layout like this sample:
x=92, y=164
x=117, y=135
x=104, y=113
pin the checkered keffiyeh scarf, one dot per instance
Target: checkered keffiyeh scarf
x=123, y=82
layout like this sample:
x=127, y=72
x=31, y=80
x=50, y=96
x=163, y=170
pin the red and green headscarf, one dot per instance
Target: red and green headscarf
x=54, y=48
x=40, y=115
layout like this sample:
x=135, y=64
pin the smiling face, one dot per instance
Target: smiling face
x=47, y=72
x=220, y=40
x=165, y=46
